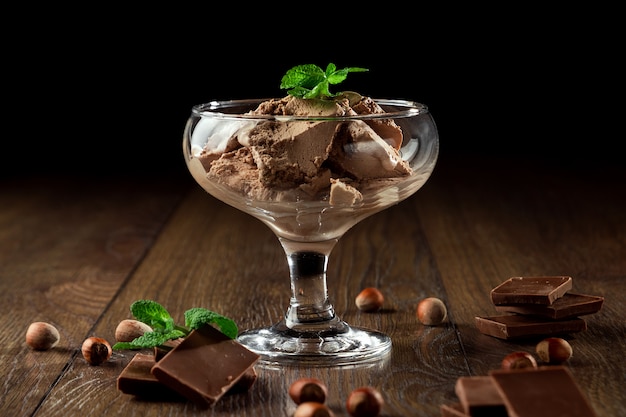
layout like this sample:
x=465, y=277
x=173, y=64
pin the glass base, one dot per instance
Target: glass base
x=281, y=345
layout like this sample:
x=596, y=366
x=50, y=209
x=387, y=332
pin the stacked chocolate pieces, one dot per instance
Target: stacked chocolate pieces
x=547, y=391
x=542, y=306
x=202, y=368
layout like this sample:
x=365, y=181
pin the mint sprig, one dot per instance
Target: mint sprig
x=198, y=317
x=153, y=314
x=164, y=328
x=311, y=81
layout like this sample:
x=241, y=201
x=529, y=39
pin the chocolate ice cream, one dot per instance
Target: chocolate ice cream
x=273, y=159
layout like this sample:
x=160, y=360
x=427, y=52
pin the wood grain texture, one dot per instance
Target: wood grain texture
x=470, y=228
x=516, y=219
x=67, y=247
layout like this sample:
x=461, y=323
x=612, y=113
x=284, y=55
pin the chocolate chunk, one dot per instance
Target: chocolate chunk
x=136, y=379
x=452, y=410
x=518, y=326
x=246, y=382
x=479, y=396
x=543, y=392
x=204, y=366
x=165, y=348
x=569, y=305
x=531, y=290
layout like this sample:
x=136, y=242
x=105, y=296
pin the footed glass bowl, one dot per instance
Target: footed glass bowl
x=309, y=188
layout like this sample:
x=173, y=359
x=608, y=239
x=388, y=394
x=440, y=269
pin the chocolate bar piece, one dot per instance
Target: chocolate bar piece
x=165, y=348
x=452, y=410
x=543, y=392
x=531, y=290
x=204, y=366
x=569, y=305
x=136, y=379
x=479, y=396
x=246, y=382
x=519, y=326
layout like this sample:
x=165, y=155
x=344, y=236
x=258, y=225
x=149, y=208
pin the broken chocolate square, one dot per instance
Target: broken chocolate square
x=165, y=348
x=543, y=392
x=531, y=290
x=518, y=326
x=479, y=396
x=136, y=379
x=204, y=366
x=569, y=305
x=452, y=410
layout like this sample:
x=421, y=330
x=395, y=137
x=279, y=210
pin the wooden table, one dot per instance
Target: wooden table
x=77, y=251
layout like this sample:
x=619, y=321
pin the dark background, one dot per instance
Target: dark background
x=107, y=91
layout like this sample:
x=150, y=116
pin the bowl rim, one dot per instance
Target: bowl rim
x=216, y=109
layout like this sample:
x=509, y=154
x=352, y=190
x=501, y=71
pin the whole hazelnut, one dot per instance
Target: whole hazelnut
x=431, y=311
x=308, y=390
x=42, y=336
x=128, y=330
x=365, y=402
x=554, y=350
x=518, y=360
x=369, y=299
x=312, y=409
x=96, y=350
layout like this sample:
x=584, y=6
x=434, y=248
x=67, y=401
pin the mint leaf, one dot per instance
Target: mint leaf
x=311, y=81
x=150, y=340
x=198, y=317
x=153, y=314
x=339, y=76
x=164, y=328
x=306, y=76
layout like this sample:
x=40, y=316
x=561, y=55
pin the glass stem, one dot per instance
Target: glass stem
x=310, y=310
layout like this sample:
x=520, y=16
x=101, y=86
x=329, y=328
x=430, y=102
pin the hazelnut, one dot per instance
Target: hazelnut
x=370, y=299
x=518, y=360
x=554, y=350
x=128, y=330
x=308, y=390
x=312, y=409
x=365, y=402
x=431, y=311
x=96, y=350
x=42, y=336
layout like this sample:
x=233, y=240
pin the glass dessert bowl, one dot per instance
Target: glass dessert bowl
x=310, y=170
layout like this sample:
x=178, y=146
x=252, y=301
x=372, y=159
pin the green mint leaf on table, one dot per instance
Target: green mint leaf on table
x=150, y=339
x=164, y=328
x=198, y=317
x=153, y=314
x=311, y=81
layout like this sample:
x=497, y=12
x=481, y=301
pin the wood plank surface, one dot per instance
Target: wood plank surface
x=78, y=257
x=67, y=246
x=517, y=219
